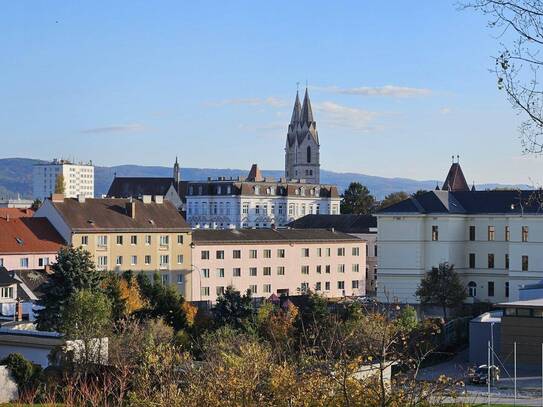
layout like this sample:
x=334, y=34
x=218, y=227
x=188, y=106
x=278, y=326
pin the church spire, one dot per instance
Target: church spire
x=296, y=111
x=176, y=175
x=307, y=111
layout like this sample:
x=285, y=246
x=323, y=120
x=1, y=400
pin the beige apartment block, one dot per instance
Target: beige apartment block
x=146, y=235
x=281, y=262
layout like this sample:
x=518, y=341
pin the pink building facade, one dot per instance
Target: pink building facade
x=267, y=261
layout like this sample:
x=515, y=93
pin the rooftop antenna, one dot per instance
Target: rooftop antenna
x=458, y=159
x=452, y=158
x=306, y=84
x=297, y=86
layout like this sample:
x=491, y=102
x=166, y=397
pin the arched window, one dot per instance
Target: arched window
x=472, y=289
x=308, y=154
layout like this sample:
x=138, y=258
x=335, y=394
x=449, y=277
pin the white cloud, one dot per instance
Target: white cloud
x=120, y=128
x=269, y=101
x=387, y=91
x=335, y=115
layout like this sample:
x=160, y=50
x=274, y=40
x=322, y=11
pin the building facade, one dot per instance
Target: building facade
x=147, y=235
x=256, y=202
x=493, y=238
x=78, y=179
x=281, y=262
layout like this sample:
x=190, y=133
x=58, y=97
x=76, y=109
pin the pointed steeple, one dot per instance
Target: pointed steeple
x=296, y=111
x=473, y=187
x=307, y=111
x=254, y=174
x=455, y=180
x=176, y=175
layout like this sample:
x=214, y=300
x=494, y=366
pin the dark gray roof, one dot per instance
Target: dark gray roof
x=33, y=279
x=226, y=236
x=126, y=187
x=248, y=188
x=6, y=278
x=341, y=223
x=471, y=202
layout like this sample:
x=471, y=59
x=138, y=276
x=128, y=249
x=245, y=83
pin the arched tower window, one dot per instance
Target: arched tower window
x=308, y=154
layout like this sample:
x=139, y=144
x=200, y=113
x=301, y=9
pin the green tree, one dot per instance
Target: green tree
x=233, y=308
x=357, y=200
x=407, y=319
x=393, y=198
x=442, y=286
x=419, y=193
x=59, y=184
x=73, y=271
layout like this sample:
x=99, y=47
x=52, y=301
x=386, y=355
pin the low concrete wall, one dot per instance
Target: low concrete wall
x=8, y=387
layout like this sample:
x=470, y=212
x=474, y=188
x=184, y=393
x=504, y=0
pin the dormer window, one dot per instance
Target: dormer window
x=191, y=190
x=199, y=190
x=228, y=189
x=257, y=190
x=19, y=241
x=302, y=191
x=219, y=190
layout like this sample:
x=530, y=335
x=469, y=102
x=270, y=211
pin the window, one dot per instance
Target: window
x=472, y=233
x=204, y=291
x=305, y=269
x=280, y=271
x=341, y=268
x=6, y=292
x=252, y=271
x=148, y=240
x=318, y=286
x=472, y=289
x=435, y=233
x=327, y=269
x=491, y=288
x=490, y=260
x=164, y=260
x=281, y=253
x=42, y=262
x=304, y=287
x=220, y=273
x=266, y=271
x=356, y=251
x=23, y=262
x=319, y=269
x=319, y=252
x=355, y=284
x=472, y=260
x=133, y=240
x=491, y=233
x=356, y=268
x=84, y=240
x=219, y=255
x=179, y=239
x=341, y=285
x=205, y=273
x=305, y=252
x=507, y=288
x=375, y=251
x=119, y=240
x=165, y=279
x=507, y=234
x=524, y=263
x=236, y=254
x=204, y=255
x=252, y=288
x=507, y=261
x=133, y=260
x=236, y=272
x=341, y=251
x=164, y=240
x=308, y=154
x=253, y=254
x=180, y=259
x=327, y=286
x=267, y=254
x=328, y=252
x=267, y=288
x=147, y=260
x=525, y=233
x=219, y=290
x=102, y=261
x=102, y=240
x=257, y=207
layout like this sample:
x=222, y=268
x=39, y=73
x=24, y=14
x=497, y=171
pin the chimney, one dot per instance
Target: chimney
x=57, y=197
x=130, y=207
x=81, y=198
x=19, y=310
x=7, y=217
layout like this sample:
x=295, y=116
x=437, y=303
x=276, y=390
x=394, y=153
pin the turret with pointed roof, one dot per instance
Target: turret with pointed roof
x=302, y=156
x=455, y=180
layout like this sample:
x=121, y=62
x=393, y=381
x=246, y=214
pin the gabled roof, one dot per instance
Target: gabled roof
x=110, y=214
x=126, y=187
x=6, y=278
x=455, y=180
x=341, y=223
x=472, y=202
x=29, y=235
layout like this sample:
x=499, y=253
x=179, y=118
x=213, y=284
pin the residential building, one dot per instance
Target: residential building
x=493, y=238
x=256, y=201
x=12, y=213
x=302, y=149
x=16, y=203
x=78, y=179
x=19, y=292
x=28, y=243
x=361, y=226
x=277, y=261
x=170, y=188
x=146, y=235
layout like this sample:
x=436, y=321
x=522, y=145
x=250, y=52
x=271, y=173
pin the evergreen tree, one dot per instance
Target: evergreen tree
x=73, y=271
x=357, y=200
x=393, y=198
x=233, y=308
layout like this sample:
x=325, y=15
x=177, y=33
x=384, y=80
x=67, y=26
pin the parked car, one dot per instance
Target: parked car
x=479, y=375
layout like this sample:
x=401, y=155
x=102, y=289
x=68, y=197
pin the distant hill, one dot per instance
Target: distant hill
x=16, y=178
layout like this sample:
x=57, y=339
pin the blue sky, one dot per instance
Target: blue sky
x=397, y=87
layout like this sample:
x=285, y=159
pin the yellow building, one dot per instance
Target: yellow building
x=145, y=234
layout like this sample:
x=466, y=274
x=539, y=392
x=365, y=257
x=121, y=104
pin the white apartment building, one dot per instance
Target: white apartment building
x=256, y=202
x=78, y=179
x=493, y=238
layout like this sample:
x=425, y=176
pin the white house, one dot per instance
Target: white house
x=78, y=179
x=493, y=238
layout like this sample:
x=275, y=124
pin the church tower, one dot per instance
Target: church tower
x=302, y=155
x=176, y=174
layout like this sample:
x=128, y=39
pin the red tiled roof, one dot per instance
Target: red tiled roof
x=28, y=235
x=16, y=213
